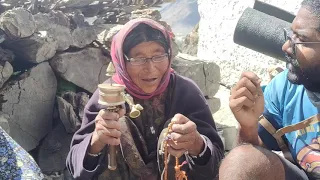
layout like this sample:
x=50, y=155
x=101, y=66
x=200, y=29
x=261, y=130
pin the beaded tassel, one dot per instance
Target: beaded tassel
x=179, y=175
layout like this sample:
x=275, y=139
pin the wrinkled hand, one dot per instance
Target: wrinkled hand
x=246, y=100
x=107, y=130
x=184, y=137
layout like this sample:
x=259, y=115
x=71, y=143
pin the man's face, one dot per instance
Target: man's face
x=304, y=65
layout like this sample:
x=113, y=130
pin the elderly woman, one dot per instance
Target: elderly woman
x=142, y=55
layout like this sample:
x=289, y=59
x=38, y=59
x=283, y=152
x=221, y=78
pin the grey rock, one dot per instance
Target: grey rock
x=37, y=48
x=82, y=99
x=205, y=74
x=67, y=115
x=77, y=19
x=214, y=104
x=54, y=150
x=85, y=68
x=190, y=45
x=104, y=29
x=18, y=23
x=6, y=70
x=78, y=101
x=4, y=124
x=3, y=36
x=175, y=48
x=6, y=55
x=74, y=3
x=82, y=33
x=70, y=97
x=55, y=115
x=225, y=118
x=140, y=2
x=83, y=36
x=212, y=77
x=29, y=105
x=5, y=7
x=58, y=27
x=129, y=9
x=92, y=9
x=106, y=36
x=146, y=13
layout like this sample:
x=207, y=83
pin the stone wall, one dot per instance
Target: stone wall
x=217, y=24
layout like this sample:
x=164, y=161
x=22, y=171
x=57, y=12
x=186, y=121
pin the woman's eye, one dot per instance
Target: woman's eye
x=157, y=58
x=138, y=59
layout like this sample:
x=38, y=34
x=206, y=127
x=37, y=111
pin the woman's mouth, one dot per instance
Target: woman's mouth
x=149, y=80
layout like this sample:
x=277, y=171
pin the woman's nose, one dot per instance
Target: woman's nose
x=149, y=65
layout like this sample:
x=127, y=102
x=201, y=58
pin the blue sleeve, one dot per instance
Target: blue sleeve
x=274, y=94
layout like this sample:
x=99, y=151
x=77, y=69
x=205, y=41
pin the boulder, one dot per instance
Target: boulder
x=78, y=101
x=190, y=45
x=74, y=3
x=17, y=23
x=35, y=49
x=6, y=70
x=54, y=150
x=29, y=102
x=4, y=124
x=146, y=13
x=85, y=68
x=205, y=74
x=106, y=36
x=58, y=27
x=83, y=36
x=214, y=104
x=6, y=55
x=67, y=115
x=82, y=33
x=225, y=119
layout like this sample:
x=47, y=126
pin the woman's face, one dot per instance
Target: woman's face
x=148, y=75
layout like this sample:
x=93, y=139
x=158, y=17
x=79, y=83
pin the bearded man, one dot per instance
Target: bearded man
x=285, y=116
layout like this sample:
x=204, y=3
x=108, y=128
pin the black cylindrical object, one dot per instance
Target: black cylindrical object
x=273, y=11
x=261, y=32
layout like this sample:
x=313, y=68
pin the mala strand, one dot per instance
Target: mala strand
x=180, y=175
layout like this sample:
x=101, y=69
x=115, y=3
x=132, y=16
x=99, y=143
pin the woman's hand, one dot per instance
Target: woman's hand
x=184, y=137
x=107, y=130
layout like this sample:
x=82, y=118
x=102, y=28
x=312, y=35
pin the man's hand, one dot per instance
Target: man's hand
x=184, y=137
x=246, y=100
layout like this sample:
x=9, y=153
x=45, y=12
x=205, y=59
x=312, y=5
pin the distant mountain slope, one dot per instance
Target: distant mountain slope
x=181, y=15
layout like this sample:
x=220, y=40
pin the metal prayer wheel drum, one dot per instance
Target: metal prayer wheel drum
x=111, y=95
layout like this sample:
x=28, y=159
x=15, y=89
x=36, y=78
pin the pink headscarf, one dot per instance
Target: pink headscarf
x=121, y=76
